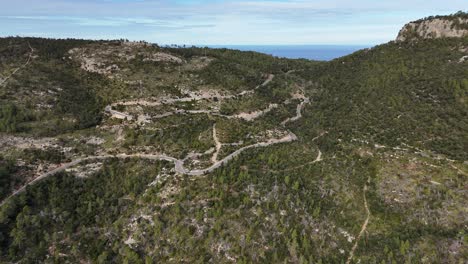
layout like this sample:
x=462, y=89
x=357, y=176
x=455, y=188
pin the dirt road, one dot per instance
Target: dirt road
x=363, y=227
x=178, y=163
x=218, y=145
x=197, y=97
x=298, y=112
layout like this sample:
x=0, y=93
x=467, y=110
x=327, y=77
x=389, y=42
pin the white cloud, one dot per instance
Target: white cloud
x=218, y=22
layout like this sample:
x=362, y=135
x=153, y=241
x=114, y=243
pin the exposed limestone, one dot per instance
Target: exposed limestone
x=95, y=141
x=86, y=170
x=102, y=59
x=117, y=114
x=26, y=143
x=432, y=28
x=198, y=63
x=161, y=56
x=256, y=114
x=463, y=59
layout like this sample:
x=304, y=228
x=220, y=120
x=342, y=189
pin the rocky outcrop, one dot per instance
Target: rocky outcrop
x=106, y=58
x=436, y=27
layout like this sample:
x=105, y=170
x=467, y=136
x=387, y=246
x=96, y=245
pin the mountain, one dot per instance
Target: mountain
x=128, y=152
x=436, y=27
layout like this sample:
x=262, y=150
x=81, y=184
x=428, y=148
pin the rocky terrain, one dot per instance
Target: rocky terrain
x=435, y=27
x=128, y=152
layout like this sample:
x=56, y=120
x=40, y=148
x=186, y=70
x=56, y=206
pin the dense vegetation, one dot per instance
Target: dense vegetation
x=71, y=205
x=48, y=74
x=413, y=93
x=454, y=18
x=10, y=117
x=7, y=168
x=386, y=128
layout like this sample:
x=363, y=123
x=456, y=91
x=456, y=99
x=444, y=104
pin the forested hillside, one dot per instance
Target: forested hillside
x=128, y=152
x=398, y=93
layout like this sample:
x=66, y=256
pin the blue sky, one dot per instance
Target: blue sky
x=220, y=22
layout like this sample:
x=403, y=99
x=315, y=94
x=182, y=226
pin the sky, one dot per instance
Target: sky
x=220, y=22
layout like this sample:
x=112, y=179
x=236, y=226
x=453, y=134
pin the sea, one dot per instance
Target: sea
x=311, y=52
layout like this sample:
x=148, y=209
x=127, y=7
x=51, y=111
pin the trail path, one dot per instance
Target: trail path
x=317, y=159
x=298, y=112
x=19, y=68
x=266, y=82
x=246, y=116
x=195, y=97
x=255, y=114
x=459, y=170
x=364, y=225
x=218, y=145
x=178, y=163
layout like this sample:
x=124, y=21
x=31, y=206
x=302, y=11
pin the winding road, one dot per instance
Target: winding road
x=163, y=101
x=178, y=163
x=298, y=112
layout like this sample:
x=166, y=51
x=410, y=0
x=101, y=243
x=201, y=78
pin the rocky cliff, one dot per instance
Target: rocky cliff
x=436, y=27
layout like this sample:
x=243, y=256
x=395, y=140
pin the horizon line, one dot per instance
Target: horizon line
x=196, y=45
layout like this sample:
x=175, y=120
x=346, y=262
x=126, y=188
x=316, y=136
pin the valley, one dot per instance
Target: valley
x=114, y=151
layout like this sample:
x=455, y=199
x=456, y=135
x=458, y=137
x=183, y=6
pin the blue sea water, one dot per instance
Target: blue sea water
x=311, y=52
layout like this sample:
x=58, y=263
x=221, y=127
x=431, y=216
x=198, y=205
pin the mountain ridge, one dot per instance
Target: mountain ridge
x=455, y=25
x=119, y=152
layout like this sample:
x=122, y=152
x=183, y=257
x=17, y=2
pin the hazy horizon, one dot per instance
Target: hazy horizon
x=311, y=52
x=220, y=22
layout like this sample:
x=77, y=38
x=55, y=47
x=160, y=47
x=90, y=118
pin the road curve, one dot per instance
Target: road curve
x=164, y=101
x=298, y=112
x=178, y=163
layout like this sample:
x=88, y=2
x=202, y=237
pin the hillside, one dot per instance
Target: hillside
x=128, y=152
x=455, y=25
